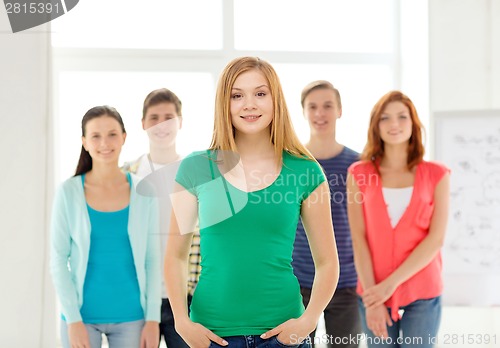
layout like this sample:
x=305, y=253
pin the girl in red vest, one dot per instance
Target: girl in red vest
x=398, y=209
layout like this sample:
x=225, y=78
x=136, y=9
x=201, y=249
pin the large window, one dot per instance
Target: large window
x=145, y=24
x=116, y=51
x=359, y=26
x=360, y=85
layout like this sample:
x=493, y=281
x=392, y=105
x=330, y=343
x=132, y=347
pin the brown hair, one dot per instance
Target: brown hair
x=374, y=148
x=85, y=161
x=319, y=84
x=159, y=96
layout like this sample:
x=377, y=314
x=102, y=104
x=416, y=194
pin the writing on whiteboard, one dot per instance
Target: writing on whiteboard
x=471, y=148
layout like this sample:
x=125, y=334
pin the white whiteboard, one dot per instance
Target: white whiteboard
x=468, y=142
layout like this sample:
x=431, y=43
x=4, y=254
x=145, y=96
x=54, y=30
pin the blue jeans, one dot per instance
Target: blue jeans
x=254, y=341
x=342, y=319
x=418, y=326
x=119, y=335
x=167, y=326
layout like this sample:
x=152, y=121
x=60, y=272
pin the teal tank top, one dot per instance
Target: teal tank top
x=111, y=291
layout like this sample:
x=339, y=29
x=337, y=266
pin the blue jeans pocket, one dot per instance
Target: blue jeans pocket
x=277, y=343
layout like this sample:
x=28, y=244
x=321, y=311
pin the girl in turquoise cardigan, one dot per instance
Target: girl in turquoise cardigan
x=105, y=257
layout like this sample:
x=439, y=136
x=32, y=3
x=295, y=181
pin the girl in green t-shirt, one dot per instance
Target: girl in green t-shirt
x=245, y=194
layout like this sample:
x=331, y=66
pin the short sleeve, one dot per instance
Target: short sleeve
x=353, y=168
x=195, y=170
x=437, y=171
x=315, y=177
x=362, y=172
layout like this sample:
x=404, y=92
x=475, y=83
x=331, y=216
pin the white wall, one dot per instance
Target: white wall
x=27, y=317
x=464, y=54
x=465, y=74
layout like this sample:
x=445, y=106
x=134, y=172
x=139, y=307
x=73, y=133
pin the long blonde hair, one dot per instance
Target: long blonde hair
x=283, y=136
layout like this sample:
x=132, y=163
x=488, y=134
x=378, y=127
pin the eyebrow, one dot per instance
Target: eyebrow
x=315, y=103
x=157, y=114
x=239, y=89
x=398, y=113
x=109, y=131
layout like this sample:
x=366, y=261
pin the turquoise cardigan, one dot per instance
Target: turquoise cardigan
x=70, y=243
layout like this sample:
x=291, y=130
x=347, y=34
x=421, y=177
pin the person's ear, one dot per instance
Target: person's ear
x=340, y=113
x=143, y=121
x=124, y=137
x=180, y=122
x=84, y=143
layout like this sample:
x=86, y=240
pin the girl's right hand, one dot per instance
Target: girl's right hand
x=196, y=335
x=377, y=320
x=78, y=335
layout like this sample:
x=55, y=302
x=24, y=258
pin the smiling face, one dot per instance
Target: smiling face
x=395, y=124
x=251, y=104
x=103, y=139
x=321, y=109
x=162, y=123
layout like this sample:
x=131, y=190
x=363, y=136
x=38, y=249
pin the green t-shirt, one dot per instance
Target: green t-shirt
x=247, y=285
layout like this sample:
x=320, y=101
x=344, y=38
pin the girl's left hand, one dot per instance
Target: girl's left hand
x=292, y=331
x=150, y=337
x=377, y=294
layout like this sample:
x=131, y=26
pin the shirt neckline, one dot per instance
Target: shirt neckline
x=261, y=189
x=416, y=183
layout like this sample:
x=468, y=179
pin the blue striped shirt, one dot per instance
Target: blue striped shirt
x=303, y=266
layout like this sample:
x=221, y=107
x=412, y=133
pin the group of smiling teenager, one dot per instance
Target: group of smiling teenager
x=369, y=261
